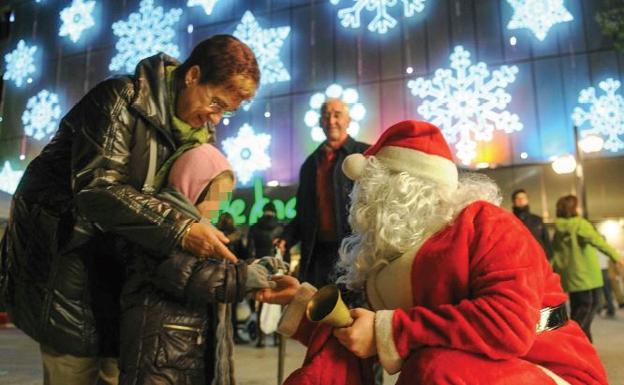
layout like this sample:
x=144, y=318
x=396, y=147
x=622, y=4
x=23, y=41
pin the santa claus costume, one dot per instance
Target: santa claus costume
x=466, y=298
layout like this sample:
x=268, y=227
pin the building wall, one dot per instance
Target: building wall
x=319, y=51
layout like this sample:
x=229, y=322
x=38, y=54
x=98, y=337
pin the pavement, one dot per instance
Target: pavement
x=20, y=362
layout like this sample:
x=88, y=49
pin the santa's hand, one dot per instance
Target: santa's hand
x=359, y=338
x=283, y=292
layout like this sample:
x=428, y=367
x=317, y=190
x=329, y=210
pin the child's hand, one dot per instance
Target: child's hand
x=283, y=292
x=273, y=265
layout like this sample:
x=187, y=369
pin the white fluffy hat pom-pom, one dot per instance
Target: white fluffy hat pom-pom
x=353, y=166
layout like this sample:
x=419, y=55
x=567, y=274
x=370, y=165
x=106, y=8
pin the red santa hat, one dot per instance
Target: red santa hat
x=416, y=147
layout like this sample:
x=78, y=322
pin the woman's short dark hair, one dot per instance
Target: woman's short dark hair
x=567, y=206
x=226, y=61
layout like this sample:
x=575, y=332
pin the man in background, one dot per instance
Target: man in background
x=535, y=224
x=322, y=198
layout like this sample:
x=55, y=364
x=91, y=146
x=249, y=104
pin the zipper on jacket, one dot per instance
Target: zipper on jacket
x=186, y=329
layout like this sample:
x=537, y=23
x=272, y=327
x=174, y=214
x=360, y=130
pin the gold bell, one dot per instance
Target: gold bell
x=327, y=306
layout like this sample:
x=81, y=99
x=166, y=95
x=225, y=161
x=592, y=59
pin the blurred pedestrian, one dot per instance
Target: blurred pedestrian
x=574, y=258
x=535, y=223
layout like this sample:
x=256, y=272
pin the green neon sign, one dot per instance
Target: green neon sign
x=249, y=214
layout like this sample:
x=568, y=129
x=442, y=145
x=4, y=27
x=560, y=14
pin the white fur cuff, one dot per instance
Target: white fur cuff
x=558, y=380
x=386, y=349
x=295, y=311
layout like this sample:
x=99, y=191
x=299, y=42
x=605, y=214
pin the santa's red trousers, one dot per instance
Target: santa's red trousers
x=327, y=362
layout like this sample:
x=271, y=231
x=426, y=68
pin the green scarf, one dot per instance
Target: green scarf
x=184, y=135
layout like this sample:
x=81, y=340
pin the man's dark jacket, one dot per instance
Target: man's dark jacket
x=304, y=227
x=536, y=226
x=261, y=236
x=60, y=269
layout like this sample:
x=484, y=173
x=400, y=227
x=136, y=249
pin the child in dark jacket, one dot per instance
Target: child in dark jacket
x=174, y=327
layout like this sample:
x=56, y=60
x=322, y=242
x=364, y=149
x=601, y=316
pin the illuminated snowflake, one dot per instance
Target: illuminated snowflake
x=266, y=44
x=41, y=116
x=144, y=34
x=247, y=152
x=76, y=18
x=538, y=15
x=348, y=95
x=350, y=17
x=208, y=5
x=20, y=63
x=468, y=105
x=9, y=178
x=605, y=115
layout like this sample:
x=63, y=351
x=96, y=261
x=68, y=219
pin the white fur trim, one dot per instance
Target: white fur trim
x=558, y=380
x=386, y=349
x=353, y=166
x=295, y=311
x=384, y=284
x=433, y=167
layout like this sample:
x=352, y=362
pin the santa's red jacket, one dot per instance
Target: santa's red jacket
x=461, y=309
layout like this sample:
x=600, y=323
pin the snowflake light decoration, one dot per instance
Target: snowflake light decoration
x=20, y=63
x=76, y=18
x=605, y=114
x=351, y=17
x=41, y=116
x=247, y=152
x=208, y=5
x=9, y=178
x=266, y=44
x=538, y=15
x=468, y=105
x=144, y=34
x=350, y=96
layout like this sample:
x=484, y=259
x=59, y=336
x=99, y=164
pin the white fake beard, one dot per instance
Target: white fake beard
x=394, y=212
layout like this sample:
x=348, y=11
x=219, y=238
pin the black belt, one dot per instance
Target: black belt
x=552, y=318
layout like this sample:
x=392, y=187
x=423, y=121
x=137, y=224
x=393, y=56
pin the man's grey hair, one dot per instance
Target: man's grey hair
x=331, y=100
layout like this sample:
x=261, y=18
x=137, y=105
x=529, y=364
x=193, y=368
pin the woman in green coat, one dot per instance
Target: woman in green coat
x=574, y=258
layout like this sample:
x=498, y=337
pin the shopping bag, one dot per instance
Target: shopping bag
x=269, y=317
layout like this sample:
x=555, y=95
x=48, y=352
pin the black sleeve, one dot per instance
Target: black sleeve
x=103, y=136
x=198, y=281
x=292, y=231
x=240, y=249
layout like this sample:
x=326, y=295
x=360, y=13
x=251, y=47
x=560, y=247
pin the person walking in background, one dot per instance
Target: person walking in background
x=237, y=242
x=607, y=292
x=614, y=277
x=261, y=242
x=322, y=198
x=535, y=223
x=263, y=234
x=574, y=258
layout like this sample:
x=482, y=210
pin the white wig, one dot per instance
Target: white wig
x=393, y=212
